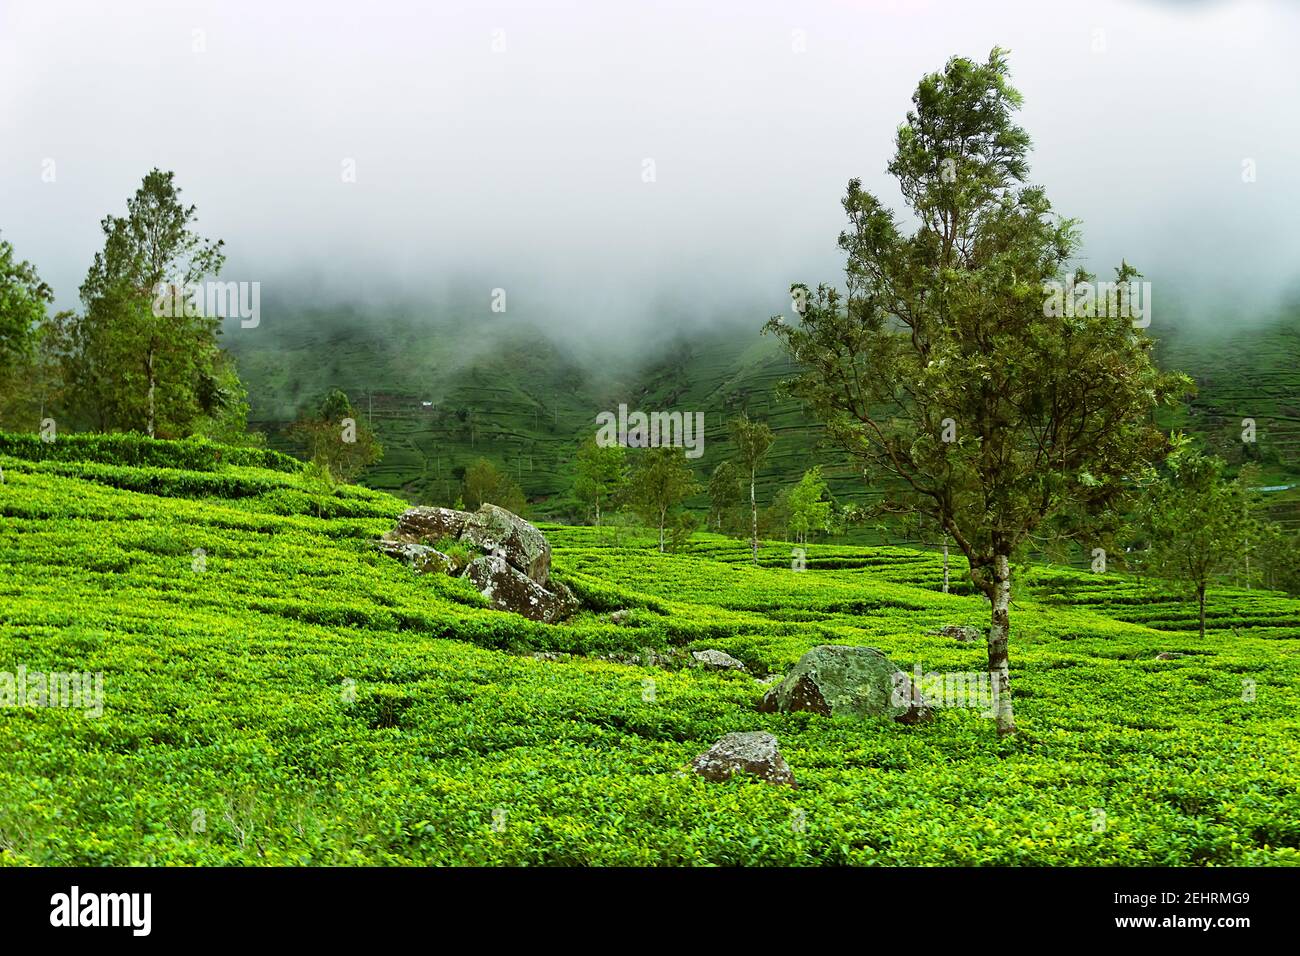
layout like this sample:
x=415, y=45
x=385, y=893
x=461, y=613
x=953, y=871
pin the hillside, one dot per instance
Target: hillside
x=526, y=402
x=277, y=692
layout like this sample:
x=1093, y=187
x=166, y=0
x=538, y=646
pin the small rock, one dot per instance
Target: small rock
x=963, y=635
x=620, y=617
x=752, y=752
x=1168, y=656
x=717, y=660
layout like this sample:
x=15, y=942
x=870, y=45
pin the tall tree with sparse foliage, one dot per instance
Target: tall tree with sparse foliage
x=809, y=509
x=753, y=440
x=724, y=495
x=601, y=472
x=659, y=482
x=1194, y=522
x=944, y=368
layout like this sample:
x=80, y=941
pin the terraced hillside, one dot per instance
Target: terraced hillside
x=513, y=395
x=276, y=692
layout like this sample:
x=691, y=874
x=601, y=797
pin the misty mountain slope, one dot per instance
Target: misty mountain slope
x=514, y=396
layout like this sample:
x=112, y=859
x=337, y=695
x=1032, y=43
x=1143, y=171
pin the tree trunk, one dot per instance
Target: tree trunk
x=1200, y=598
x=149, y=396
x=945, y=564
x=999, y=634
x=753, y=518
x=598, y=512
x=662, y=520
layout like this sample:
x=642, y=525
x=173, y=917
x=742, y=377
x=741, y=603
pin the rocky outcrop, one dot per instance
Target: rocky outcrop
x=834, y=680
x=752, y=752
x=513, y=569
x=496, y=531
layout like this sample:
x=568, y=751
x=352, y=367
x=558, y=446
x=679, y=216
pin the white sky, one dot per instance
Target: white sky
x=523, y=168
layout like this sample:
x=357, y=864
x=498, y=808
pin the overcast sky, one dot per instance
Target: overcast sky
x=506, y=144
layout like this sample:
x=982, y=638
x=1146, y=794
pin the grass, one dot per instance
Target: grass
x=276, y=692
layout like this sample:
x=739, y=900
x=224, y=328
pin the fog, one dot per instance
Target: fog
x=508, y=145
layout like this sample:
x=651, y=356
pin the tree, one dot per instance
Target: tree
x=946, y=369
x=659, y=482
x=23, y=298
x=141, y=357
x=601, y=472
x=485, y=483
x=336, y=440
x=724, y=495
x=753, y=441
x=1194, y=522
x=809, y=511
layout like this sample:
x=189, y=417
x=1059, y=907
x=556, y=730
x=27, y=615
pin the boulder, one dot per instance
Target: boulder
x=509, y=589
x=717, y=660
x=835, y=680
x=963, y=635
x=419, y=557
x=752, y=752
x=509, y=536
x=421, y=525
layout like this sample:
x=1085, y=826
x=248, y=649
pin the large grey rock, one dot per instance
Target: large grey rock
x=420, y=557
x=751, y=752
x=503, y=533
x=717, y=660
x=421, y=525
x=857, y=681
x=509, y=589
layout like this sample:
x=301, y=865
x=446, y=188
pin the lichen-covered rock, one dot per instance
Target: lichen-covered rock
x=421, y=525
x=420, y=557
x=857, y=681
x=751, y=752
x=509, y=589
x=963, y=635
x=502, y=533
x=717, y=660
x=620, y=617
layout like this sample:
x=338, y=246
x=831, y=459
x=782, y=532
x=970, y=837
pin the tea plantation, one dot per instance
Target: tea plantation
x=277, y=692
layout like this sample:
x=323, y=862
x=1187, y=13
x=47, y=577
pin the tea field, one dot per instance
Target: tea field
x=276, y=692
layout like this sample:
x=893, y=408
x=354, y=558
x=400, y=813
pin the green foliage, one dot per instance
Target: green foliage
x=319, y=704
x=1193, y=521
x=139, y=358
x=660, y=481
x=486, y=483
x=23, y=298
x=337, y=440
x=724, y=496
x=809, y=510
x=753, y=440
x=601, y=471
